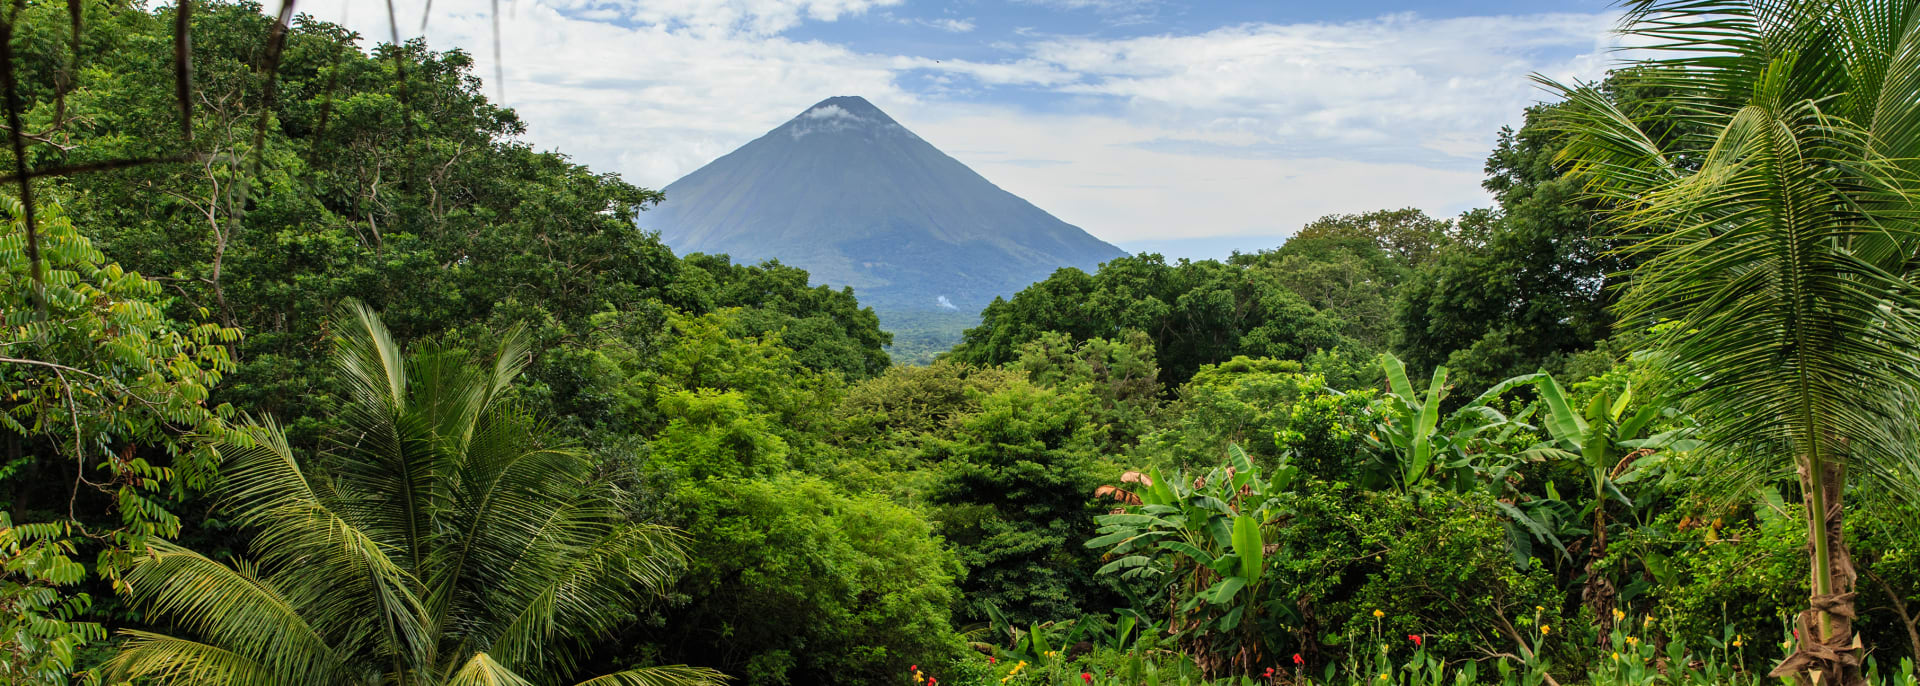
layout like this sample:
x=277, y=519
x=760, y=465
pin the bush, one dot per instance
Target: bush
x=793, y=581
x=1433, y=564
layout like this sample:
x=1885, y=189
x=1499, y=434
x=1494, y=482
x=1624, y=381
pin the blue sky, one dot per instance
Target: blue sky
x=1185, y=126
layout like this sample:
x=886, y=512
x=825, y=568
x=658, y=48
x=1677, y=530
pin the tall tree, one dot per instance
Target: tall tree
x=1408, y=236
x=1781, y=240
x=1524, y=282
x=451, y=541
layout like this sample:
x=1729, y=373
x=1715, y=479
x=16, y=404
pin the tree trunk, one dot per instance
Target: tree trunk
x=1827, y=644
x=1598, y=593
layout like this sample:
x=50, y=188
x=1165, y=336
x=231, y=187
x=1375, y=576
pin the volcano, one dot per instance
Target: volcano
x=847, y=193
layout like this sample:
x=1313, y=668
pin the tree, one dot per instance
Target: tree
x=1012, y=492
x=1778, y=239
x=827, y=329
x=100, y=397
x=386, y=177
x=1197, y=313
x=794, y=581
x=1407, y=236
x=1526, y=283
x=1349, y=280
x=1119, y=375
x=448, y=540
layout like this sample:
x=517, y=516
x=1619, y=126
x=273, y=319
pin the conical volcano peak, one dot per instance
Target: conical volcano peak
x=852, y=104
x=844, y=113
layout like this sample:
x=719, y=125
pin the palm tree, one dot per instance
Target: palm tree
x=451, y=542
x=1773, y=194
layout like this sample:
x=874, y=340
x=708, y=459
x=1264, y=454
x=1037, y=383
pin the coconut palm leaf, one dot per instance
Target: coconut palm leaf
x=172, y=660
x=1777, y=242
x=455, y=541
x=1793, y=341
x=673, y=675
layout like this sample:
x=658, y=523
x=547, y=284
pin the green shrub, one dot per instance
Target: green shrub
x=791, y=580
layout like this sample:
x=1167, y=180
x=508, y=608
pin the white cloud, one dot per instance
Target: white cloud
x=718, y=17
x=950, y=25
x=1097, y=176
x=1253, y=129
x=1101, y=5
x=1017, y=73
x=1394, y=80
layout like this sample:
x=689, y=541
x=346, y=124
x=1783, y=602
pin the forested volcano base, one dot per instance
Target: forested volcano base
x=312, y=373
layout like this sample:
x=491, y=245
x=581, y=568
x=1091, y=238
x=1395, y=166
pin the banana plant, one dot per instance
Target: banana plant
x=1609, y=443
x=1202, y=538
x=1038, y=642
x=1424, y=443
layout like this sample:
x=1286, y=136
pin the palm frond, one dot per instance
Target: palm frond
x=365, y=353
x=166, y=659
x=575, y=601
x=338, y=577
x=234, y=610
x=391, y=451
x=453, y=523
x=673, y=675
x=501, y=514
x=1778, y=251
x=481, y=670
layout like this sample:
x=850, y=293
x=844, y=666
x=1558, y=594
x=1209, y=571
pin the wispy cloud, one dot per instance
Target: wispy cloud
x=720, y=17
x=1100, y=5
x=1246, y=128
x=950, y=24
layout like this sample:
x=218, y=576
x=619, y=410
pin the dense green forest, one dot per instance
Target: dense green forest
x=314, y=373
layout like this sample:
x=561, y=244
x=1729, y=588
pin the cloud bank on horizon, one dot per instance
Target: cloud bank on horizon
x=1138, y=120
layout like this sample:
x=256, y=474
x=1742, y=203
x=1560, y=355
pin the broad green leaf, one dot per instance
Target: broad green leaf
x=1223, y=592
x=1501, y=388
x=1562, y=422
x=1249, y=546
x=1397, y=376
x=1187, y=549
x=1128, y=562
x=1231, y=620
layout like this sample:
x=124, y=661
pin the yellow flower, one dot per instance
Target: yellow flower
x=1618, y=615
x=1383, y=676
x=1544, y=629
x=1632, y=641
x=1539, y=608
x=1737, y=642
x=1616, y=655
x=1378, y=614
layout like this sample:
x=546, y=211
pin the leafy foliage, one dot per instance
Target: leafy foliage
x=447, y=539
x=1012, y=492
x=40, y=634
x=1197, y=313
x=1779, y=237
x=793, y=580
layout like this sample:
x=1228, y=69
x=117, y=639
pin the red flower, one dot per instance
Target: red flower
x=1415, y=638
x=1297, y=660
x=913, y=668
x=991, y=660
x=1086, y=677
x=1268, y=674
